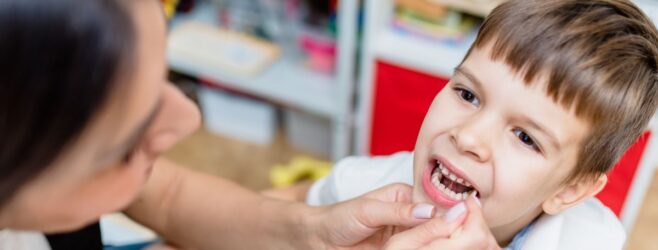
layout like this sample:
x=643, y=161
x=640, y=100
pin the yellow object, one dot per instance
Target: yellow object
x=300, y=168
x=170, y=7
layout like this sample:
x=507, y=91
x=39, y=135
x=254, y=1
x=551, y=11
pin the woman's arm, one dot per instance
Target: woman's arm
x=295, y=192
x=201, y=211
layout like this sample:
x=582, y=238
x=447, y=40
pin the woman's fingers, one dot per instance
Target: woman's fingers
x=475, y=220
x=350, y=222
x=475, y=229
x=391, y=206
x=396, y=192
x=376, y=214
x=473, y=234
x=422, y=235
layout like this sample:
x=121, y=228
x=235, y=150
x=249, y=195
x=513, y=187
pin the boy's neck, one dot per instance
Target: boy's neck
x=505, y=233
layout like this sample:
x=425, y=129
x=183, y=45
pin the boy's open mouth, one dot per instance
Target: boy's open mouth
x=445, y=186
x=451, y=185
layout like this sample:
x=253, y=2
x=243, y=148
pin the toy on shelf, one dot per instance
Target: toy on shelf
x=432, y=21
x=300, y=168
x=475, y=7
x=223, y=49
x=320, y=51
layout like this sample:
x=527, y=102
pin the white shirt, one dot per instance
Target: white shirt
x=589, y=225
x=22, y=240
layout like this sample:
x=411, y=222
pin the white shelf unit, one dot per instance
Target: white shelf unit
x=648, y=164
x=382, y=43
x=643, y=177
x=418, y=53
x=287, y=81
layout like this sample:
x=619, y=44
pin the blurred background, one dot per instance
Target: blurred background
x=288, y=86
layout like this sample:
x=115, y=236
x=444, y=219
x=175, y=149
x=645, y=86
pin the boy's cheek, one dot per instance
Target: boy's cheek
x=500, y=211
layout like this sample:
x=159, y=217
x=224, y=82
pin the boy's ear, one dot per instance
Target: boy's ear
x=572, y=194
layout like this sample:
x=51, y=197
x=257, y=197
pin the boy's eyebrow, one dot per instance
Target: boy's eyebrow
x=551, y=136
x=467, y=73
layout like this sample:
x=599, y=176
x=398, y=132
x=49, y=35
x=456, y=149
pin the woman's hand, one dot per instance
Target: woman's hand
x=463, y=227
x=367, y=221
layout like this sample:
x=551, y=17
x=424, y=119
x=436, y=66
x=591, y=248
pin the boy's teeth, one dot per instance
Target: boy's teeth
x=436, y=180
x=448, y=191
x=463, y=182
x=444, y=171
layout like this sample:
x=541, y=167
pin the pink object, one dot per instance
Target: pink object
x=321, y=52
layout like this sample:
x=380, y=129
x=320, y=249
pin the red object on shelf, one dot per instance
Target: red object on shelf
x=622, y=175
x=401, y=100
x=402, y=97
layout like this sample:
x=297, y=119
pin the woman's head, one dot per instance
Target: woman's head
x=84, y=108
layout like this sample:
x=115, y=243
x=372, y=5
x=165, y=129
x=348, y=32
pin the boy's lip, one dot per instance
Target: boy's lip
x=432, y=192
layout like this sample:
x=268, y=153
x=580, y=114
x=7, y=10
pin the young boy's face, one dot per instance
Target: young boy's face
x=508, y=141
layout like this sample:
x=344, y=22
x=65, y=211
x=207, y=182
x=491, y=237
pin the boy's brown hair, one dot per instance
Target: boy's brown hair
x=599, y=59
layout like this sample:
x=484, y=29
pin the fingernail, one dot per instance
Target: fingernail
x=423, y=211
x=477, y=201
x=455, y=211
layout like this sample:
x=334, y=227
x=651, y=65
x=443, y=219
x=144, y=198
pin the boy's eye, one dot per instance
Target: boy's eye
x=468, y=96
x=526, y=139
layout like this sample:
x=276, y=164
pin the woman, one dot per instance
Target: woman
x=85, y=112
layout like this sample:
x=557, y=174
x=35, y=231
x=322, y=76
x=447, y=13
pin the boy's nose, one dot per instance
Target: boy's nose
x=472, y=139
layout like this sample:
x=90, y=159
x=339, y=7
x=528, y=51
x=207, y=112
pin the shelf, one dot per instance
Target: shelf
x=286, y=81
x=410, y=51
x=474, y=7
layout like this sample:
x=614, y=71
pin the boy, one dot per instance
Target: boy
x=547, y=99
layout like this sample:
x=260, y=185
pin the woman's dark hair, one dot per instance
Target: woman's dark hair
x=59, y=61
